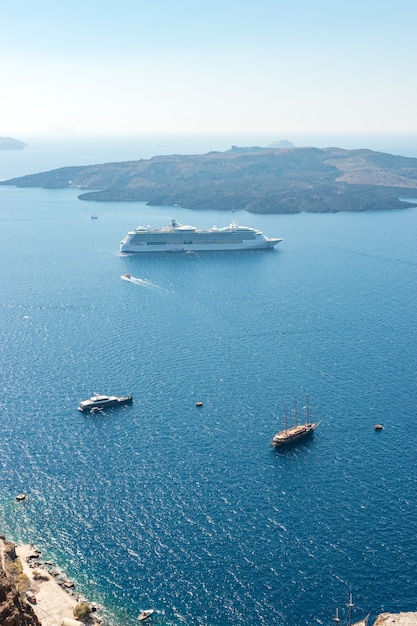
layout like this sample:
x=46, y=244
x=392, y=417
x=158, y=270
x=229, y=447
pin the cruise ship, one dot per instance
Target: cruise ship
x=178, y=238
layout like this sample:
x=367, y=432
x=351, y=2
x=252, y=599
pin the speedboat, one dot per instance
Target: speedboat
x=144, y=614
x=103, y=402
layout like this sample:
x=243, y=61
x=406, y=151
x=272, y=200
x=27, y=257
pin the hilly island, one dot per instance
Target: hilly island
x=257, y=180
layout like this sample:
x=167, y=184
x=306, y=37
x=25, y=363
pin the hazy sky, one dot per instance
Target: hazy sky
x=208, y=66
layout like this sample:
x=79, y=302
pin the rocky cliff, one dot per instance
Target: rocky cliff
x=15, y=610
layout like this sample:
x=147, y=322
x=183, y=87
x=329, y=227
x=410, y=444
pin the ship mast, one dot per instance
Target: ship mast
x=336, y=618
x=286, y=416
x=307, y=410
x=295, y=412
x=350, y=607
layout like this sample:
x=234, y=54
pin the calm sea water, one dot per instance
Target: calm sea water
x=190, y=511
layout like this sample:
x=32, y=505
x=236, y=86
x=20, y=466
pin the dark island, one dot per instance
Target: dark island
x=257, y=180
x=8, y=143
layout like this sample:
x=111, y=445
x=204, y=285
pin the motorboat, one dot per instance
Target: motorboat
x=98, y=401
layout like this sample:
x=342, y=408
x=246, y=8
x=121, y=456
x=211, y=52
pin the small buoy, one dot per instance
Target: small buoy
x=379, y=427
x=199, y=403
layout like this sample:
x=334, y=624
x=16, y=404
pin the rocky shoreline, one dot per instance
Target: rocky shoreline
x=35, y=593
x=396, y=619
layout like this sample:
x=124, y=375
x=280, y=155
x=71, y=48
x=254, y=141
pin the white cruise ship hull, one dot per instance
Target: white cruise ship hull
x=178, y=238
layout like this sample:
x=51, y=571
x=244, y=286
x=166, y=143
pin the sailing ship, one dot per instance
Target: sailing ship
x=295, y=433
x=348, y=621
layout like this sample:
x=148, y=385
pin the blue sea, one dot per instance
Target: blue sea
x=190, y=510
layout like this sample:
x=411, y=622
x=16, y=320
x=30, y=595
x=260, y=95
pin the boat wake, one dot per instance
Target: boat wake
x=143, y=282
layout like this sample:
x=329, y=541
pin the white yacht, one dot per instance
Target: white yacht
x=178, y=238
x=98, y=402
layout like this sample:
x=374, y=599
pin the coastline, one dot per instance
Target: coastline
x=56, y=600
x=54, y=596
x=53, y=604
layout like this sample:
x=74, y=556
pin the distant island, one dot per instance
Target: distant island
x=258, y=180
x=8, y=143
